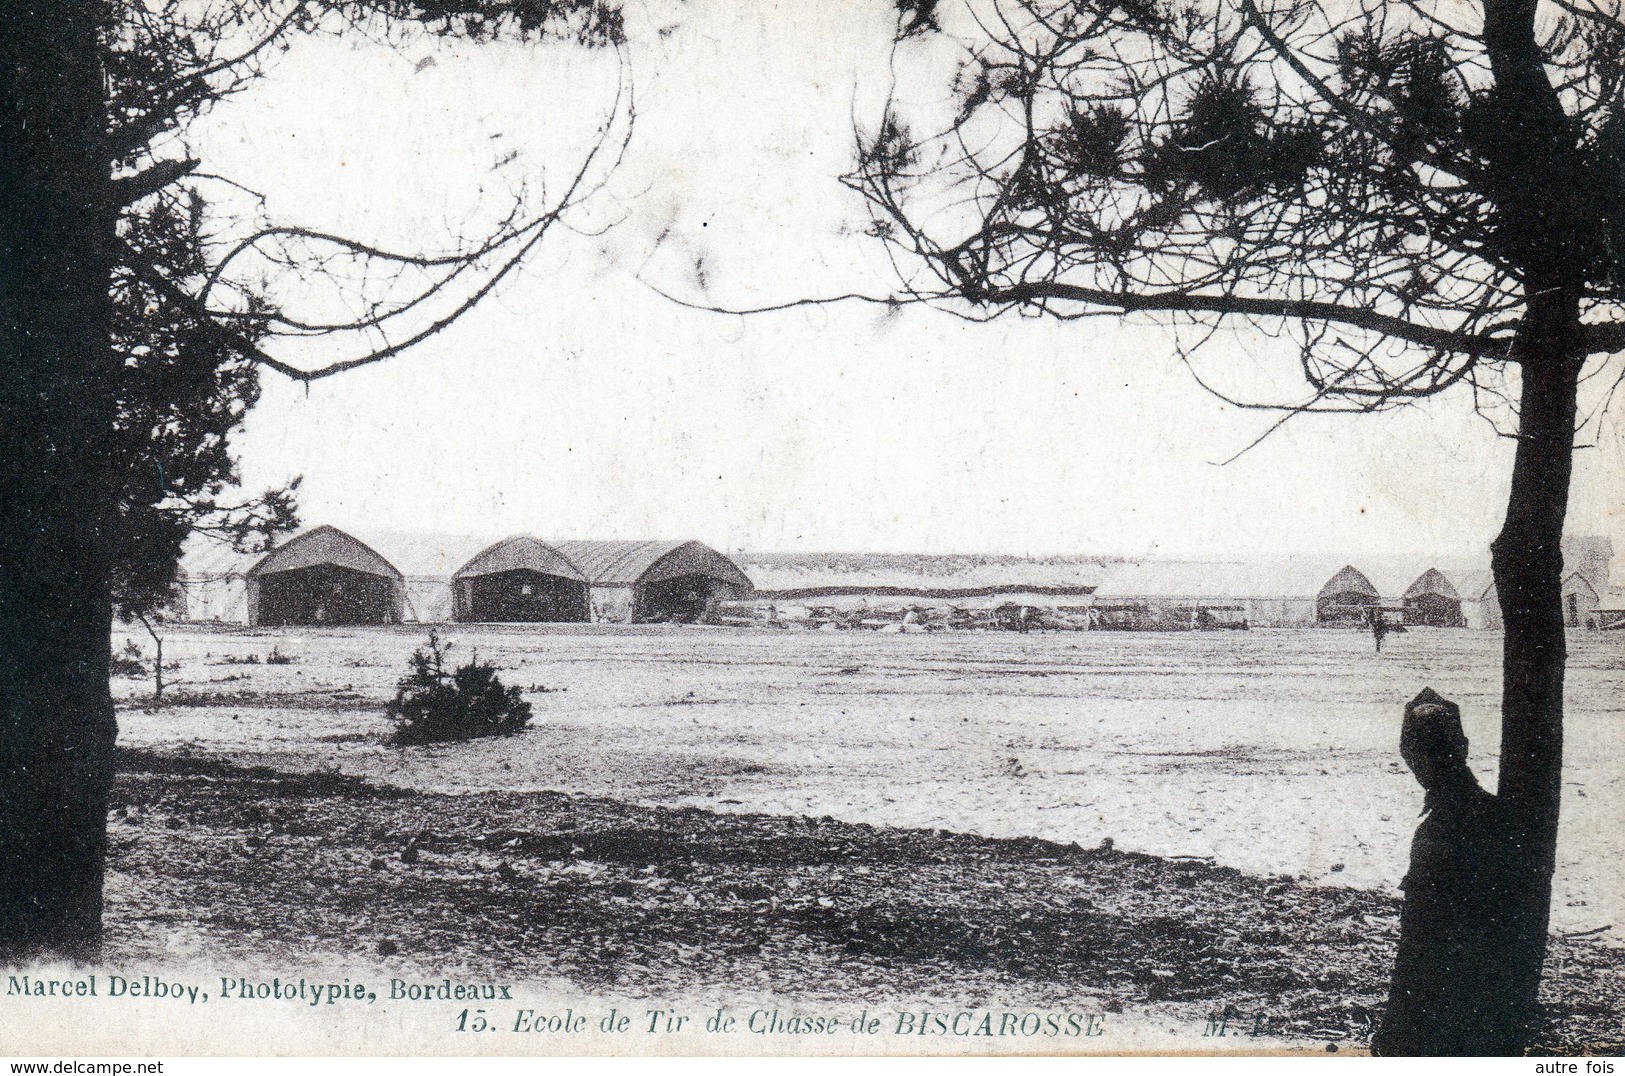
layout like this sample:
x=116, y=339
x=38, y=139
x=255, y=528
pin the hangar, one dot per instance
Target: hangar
x=324, y=576
x=1581, y=601
x=519, y=579
x=1432, y=601
x=1346, y=599
x=654, y=582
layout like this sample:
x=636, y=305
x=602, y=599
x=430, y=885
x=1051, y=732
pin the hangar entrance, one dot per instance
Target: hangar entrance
x=325, y=594
x=682, y=599
x=524, y=595
x=1347, y=599
x=1432, y=602
x=1349, y=608
x=1434, y=611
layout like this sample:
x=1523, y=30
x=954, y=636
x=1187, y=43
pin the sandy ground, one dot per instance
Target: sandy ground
x=1274, y=752
x=1051, y=948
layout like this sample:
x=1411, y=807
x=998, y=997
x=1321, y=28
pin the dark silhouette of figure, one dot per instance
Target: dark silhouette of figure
x=1452, y=993
x=1379, y=627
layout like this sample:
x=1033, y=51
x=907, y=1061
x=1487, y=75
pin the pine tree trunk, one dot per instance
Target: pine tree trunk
x=1478, y=893
x=1536, y=176
x=56, y=414
x=1528, y=565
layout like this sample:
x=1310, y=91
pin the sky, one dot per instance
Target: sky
x=579, y=401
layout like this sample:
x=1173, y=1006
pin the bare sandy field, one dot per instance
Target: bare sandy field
x=1017, y=944
x=1273, y=752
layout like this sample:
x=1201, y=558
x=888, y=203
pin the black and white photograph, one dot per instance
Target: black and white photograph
x=974, y=528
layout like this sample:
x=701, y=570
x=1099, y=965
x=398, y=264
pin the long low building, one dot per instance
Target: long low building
x=856, y=580
x=1262, y=595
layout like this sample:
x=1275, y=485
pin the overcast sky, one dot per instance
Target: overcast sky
x=579, y=402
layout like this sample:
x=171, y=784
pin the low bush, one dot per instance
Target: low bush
x=433, y=705
x=277, y=657
x=128, y=662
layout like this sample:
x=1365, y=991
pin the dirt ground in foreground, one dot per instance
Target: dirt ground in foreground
x=247, y=863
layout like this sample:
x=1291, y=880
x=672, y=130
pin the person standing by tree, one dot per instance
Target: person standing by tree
x=1425, y=195
x=1453, y=992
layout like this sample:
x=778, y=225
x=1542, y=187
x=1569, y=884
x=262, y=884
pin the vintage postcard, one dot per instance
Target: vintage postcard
x=881, y=527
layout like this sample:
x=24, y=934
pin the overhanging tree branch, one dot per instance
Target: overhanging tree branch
x=457, y=281
x=1444, y=340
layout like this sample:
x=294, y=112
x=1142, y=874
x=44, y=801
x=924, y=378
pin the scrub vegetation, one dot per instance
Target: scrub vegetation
x=434, y=705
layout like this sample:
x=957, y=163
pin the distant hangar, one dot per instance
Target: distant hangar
x=648, y=582
x=1291, y=592
x=324, y=576
x=519, y=580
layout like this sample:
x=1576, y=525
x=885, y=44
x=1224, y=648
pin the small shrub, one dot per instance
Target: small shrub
x=432, y=705
x=128, y=662
x=246, y=659
x=277, y=657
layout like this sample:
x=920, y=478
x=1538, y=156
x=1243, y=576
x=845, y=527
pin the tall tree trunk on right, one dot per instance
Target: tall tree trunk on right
x=1478, y=893
x=57, y=230
x=1528, y=565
